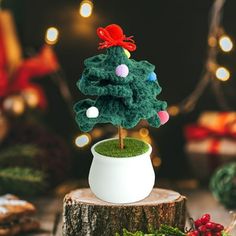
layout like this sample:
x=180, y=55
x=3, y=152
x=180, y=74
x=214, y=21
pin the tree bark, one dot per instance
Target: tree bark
x=85, y=215
x=121, y=139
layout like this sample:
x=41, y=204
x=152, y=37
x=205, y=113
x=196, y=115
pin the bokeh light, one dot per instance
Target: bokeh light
x=82, y=140
x=222, y=74
x=31, y=98
x=86, y=8
x=14, y=104
x=156, y=161
x=52, y=35
x=225, y=43
x=143, y=132
x=173, y=110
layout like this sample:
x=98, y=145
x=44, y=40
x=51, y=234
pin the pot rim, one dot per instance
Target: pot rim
x=148, y=152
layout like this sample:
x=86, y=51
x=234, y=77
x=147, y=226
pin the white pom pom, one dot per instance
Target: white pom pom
x=92, y=112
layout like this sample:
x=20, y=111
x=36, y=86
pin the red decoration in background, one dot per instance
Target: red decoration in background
x=198, y=132
x=2, y=63
x=214, y=136
x=113, y=36
x=21, y=79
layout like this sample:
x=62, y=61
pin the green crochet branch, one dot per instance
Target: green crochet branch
x=125, y=91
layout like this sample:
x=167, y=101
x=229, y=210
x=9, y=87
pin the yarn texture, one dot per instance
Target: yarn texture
x=121, y=101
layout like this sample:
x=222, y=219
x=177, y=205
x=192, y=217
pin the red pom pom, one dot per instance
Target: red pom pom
x=115, y=31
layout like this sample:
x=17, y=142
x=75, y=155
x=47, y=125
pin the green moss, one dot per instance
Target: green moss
x=132, y=147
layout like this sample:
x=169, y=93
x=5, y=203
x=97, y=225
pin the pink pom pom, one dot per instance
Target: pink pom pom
x=122, y=70
x=164, y=116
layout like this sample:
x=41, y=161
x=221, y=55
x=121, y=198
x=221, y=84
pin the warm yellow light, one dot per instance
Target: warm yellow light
x=173, y=110
x=31, y=98
x=143, y=132
x=127, y=53
x=82, y=140
x=225, y=43
x=156, y=161
x=86, y=8
x=97, y=133
x=51, y=36
x=212, y=42
x=222, y=74
x=14, y=104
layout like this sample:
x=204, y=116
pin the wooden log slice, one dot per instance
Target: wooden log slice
x=86, y=215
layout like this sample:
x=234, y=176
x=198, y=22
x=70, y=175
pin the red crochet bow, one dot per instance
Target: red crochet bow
x=113, y=36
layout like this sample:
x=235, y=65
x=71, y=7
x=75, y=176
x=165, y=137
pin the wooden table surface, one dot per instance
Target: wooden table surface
x=200, y=201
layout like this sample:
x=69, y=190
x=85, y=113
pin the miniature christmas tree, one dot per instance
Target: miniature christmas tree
x=126, y=89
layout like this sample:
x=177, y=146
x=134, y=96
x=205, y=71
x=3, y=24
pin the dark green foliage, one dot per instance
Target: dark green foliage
x=23, y=181
x=120, y=101
x=32, y=145
x=164, y=230
x=223, y=185
x=133, y=147
x=19, y=155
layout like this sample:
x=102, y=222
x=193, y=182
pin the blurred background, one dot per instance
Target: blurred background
x=47, y=49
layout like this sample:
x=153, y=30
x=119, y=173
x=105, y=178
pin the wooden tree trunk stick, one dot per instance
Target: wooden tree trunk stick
x=121, y=139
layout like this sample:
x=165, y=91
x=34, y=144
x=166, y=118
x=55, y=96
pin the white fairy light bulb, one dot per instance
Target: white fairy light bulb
x=86, y=8
x=225, y=43
x=82, y=140
x=222, y=74
x=51, y=36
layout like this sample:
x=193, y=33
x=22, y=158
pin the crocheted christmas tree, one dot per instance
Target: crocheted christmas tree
x=125, y=89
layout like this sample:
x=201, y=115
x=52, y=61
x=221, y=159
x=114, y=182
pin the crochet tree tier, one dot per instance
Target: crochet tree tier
x=125, y=89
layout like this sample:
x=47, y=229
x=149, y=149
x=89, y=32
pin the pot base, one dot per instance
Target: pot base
x=121, y=180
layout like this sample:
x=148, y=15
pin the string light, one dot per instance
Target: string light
x=173, y=110
x=51, y=36
x=156, y=161
x=97, y=133
x=222, y=74
x=31, y=98
x=212, y=42
x=14, y=104
x=82, y=140
x=143, y=132
x=86, y=8
x=210, y=69
x=225, y=43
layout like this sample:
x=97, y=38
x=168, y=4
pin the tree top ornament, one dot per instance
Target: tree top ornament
x=113, y=36
x=125, y=89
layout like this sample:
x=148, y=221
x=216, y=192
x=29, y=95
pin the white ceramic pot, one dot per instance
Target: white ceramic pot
x=121, y=179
